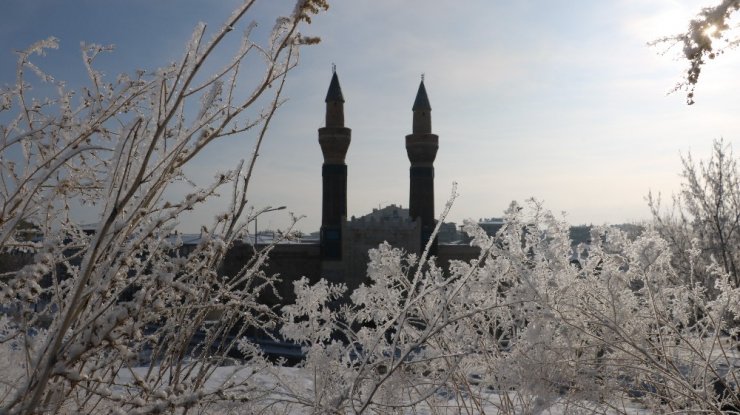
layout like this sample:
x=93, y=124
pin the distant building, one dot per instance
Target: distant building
x=390, y=213
x=491, y=225
x=448, y=234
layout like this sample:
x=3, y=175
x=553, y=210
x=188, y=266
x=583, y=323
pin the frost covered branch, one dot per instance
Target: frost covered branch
x=708, y=36
x=92, y=309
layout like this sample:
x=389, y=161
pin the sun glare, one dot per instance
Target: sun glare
x=710, y=30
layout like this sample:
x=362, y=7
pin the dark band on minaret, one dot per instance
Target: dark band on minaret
x=421, y=147
x=334, y=139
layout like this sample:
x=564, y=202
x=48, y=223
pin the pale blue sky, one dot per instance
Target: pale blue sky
x=561, y=100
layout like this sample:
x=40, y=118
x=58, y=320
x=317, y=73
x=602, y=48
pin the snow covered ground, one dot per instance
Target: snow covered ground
x=468, y=398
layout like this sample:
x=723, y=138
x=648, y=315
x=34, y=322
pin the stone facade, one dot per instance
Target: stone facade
x=290, y=261
x=390, y=224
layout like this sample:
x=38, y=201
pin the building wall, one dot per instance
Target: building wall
x=361, y=235
x=293, y=261
x=290, y=261
x=447, y=253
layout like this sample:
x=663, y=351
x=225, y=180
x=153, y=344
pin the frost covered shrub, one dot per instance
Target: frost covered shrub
x=121, y=318
x=520, y=329
x=705, y=216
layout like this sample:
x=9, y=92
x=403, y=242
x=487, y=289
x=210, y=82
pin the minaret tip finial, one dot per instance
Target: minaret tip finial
x=422, y=77
x=333, y=68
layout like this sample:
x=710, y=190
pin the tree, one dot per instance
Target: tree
x=124, y=295
x=705, y=216
x=708, y=36
x=519, y=330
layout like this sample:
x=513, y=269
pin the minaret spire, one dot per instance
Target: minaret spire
x=334, y=102
x=422, y=123
x=421, y=147
x=422, y=100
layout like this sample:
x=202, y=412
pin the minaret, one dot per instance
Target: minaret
x=334, y=140
x=421, y=146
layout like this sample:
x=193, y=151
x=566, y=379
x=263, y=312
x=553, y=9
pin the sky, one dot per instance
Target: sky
x=560, y=100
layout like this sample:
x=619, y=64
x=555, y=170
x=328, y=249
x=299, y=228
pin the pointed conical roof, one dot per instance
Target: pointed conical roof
x=335, y=91
x=421, y=103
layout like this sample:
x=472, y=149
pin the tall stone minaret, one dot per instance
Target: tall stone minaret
x=334, y=140
x=421, y=146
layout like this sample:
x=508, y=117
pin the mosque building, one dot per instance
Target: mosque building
x=341, y=255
